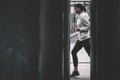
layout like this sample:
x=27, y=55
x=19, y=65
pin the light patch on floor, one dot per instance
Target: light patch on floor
x=83, y=68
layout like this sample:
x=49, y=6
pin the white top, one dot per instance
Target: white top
x=84, y=23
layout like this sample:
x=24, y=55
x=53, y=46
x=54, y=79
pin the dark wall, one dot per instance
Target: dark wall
x=19, y=40
x=107, y=39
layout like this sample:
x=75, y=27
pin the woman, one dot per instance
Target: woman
x=83, y=26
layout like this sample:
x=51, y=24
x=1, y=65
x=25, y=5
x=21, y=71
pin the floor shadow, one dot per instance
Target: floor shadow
x=79, y=78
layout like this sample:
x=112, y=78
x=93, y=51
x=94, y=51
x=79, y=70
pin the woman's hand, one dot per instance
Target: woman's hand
x=77, y=27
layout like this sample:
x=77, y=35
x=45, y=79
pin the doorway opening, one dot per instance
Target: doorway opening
x=83, y=58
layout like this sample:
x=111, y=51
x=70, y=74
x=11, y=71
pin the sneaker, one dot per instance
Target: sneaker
x=75, y=73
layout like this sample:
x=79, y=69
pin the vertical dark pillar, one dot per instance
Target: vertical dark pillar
x=93, y=40
x=108, y=40
x=66, y=40
x=51, y=48
x=19, y=40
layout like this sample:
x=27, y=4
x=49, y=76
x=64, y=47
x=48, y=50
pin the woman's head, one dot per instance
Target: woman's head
x=79, y=8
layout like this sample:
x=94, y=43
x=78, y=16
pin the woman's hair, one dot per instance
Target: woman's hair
x=82, y=8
